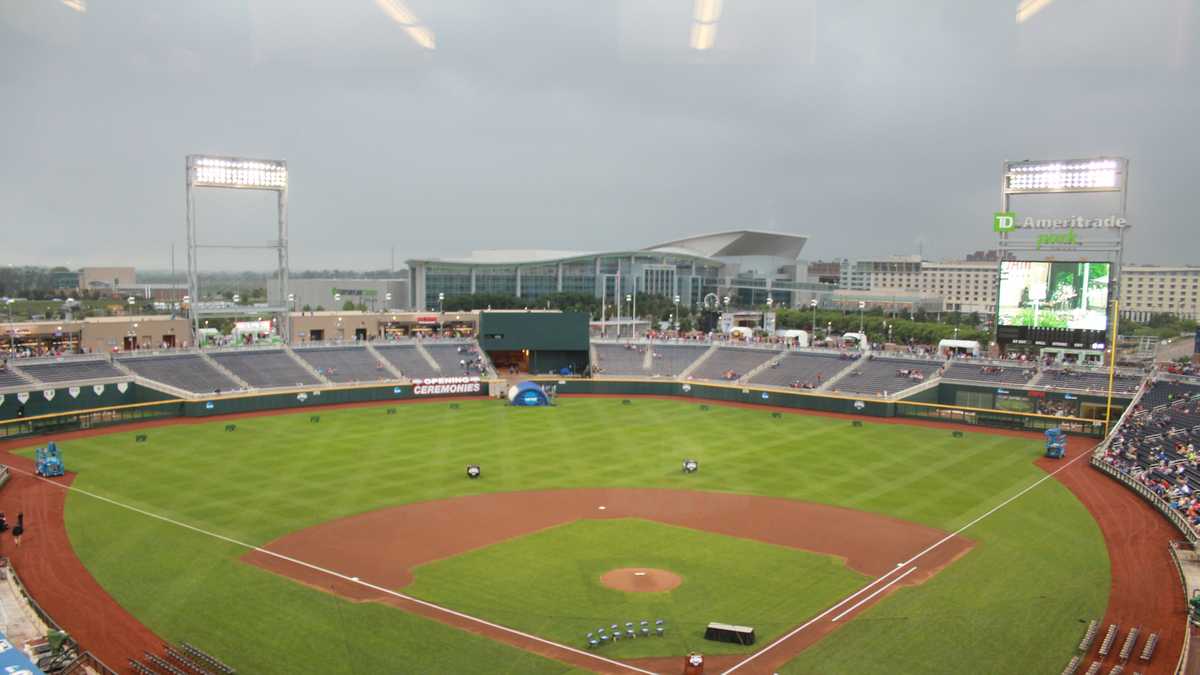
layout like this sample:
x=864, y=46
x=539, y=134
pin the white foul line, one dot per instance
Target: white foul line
x=887, y=574
x=877, y=592
x=339, y=575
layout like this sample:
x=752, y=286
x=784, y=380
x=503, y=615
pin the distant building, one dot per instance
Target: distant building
x=333, y=294
x=748, y=266
x=1147, y=290
x=64, y=278
x=825, y=272
x=106, y=279
x=990, y=255
x=894, y=272
x=960, y=286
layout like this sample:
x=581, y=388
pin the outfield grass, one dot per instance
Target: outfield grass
x=548, y=583
x=1013, y=602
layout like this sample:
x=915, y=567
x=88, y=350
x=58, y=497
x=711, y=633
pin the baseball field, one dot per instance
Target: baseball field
x=318, y=542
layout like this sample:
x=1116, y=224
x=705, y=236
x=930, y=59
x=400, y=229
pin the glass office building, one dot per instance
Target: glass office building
x=748, y=266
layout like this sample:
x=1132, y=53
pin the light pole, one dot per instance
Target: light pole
x=676, y=313
x=337, y=301
x=633, y=327
x=132, y=326
x=813, y=303
x=862, y=304
x=388, y=298
x=12, y=331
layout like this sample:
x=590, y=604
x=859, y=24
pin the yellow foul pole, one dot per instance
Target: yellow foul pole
x=1112, y=363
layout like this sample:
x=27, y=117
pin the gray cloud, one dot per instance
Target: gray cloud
x=871, y=126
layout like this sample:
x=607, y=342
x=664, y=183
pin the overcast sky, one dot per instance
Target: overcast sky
x=876, y=127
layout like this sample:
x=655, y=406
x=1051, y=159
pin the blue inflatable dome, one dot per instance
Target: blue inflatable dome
x=527, y=393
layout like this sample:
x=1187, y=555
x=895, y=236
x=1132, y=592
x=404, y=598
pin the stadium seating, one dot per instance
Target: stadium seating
x=345, y=364
x=265, y=368
x=189, y=372
x=406, y=359
x=1162, y=393
x=735, y=361
x=9, y=378
x=880, y=375
x=801, y=369
x=671, y=360
x=71, y=370
x=620, y=359
x=976, y=372
x=448, y=355
x=1088, y=380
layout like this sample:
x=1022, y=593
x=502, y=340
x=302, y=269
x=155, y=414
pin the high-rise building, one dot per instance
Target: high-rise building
x=1147, y=290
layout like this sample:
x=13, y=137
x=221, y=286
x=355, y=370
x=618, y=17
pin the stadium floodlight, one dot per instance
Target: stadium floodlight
x=231, y=172
x=473, y=471
x=690, y=466
x=1071, y=175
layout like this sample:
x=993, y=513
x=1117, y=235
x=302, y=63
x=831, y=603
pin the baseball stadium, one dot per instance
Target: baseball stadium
x=521, y=491
x=646, y=337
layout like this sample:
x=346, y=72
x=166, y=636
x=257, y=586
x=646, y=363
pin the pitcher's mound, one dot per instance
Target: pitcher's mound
x=640, y=580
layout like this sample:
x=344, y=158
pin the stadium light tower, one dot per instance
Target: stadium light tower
x=237, y=173
x=1063, y=176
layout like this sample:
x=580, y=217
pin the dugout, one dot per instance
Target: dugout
x=535, y=341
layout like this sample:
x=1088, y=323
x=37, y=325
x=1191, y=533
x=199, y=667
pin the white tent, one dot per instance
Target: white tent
x=971, y=347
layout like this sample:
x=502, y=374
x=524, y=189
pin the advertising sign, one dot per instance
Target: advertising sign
x=437, y=386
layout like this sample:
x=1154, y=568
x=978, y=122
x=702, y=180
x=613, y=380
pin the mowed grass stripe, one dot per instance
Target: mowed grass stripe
x=282, y=473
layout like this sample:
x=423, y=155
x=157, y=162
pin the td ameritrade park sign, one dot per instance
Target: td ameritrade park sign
x=1055, y=231
x=436, y=386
